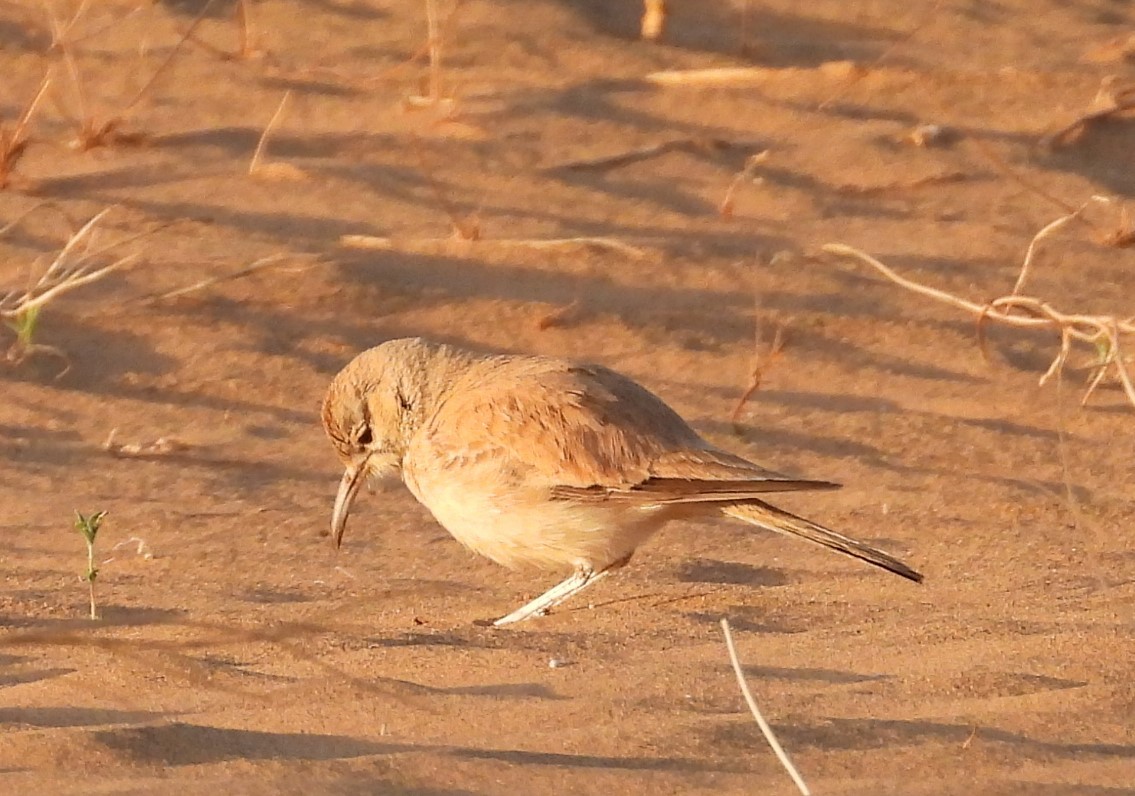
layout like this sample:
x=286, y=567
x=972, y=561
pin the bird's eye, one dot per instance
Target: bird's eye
x=365, y=436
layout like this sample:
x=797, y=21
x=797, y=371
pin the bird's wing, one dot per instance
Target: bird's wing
x=586, y=432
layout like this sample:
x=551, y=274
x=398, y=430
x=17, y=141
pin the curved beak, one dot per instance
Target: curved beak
x=349, y=487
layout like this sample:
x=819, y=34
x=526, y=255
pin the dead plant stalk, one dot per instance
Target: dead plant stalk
x=777, y=749
x=254, y=166
x=93, y=133
x=73, y=267
x=1106, y=333
x=14, y=140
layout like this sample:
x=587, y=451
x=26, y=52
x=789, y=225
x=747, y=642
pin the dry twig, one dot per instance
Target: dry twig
x=1045, y=231
x=903, y=185
x=560, y=316
x=766, y=730
x=747, y=174
x=1123, y=235
x=15, y=222
x=458, y=244
x=249, y=43
x=59, y=30
x=162, y=446
x=75, y=265
x=438, y=29
x=263, y=262
x=1105, y=333
x=92, y=132
x=14, y=140
x=282, y=171
x=1111, y=102
x=762, y=361
x=693, y=145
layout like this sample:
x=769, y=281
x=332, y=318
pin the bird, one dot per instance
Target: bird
x=545, y=463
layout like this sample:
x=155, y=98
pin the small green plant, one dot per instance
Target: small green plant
x=23, y=324
x=89, y=528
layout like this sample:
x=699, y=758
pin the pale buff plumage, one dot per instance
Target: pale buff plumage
x=535, y=461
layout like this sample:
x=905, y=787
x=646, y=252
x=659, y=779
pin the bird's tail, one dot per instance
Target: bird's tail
x=757, y=512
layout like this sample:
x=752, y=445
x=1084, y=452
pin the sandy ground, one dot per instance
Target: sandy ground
x=238, y=652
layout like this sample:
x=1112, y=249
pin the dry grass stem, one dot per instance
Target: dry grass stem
x=781, y=755
x=762, y=360
x=715, y=76
x=904, y=185
x=435, y=96
x=560, y=316
x=745, y=175
x=1111, y=102
x=72, y=268
x=435, y=50
x=845, y=71
x=15, y=222
x=653, y=19
x=969, y=738
x=248, y=42
x=273, y=170
x=75, y=265
x=461, y=244
x=693, y=145
x=59, y=30
x=60, y=33
x=1105, y=333
x=93, y=133
x=1045, y=231
x=162, y=446
x=1123, y=235
x=263, y=262
x=14, y=140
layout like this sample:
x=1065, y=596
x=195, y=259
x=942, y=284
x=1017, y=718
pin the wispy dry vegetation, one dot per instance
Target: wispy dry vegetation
x=1106, y=335
x=14, y=137
x=82, y=260
x=94, y=129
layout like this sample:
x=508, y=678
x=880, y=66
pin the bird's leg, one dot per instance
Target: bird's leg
x=579, y=580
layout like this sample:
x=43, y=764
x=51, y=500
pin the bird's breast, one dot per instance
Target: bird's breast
x=521, y=526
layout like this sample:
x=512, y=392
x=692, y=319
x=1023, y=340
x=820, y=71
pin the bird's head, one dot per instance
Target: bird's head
x=373, y=408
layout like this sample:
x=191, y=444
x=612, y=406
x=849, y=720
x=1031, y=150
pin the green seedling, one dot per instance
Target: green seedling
x=88, y=527
x=23, y=324
x=24, y=321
